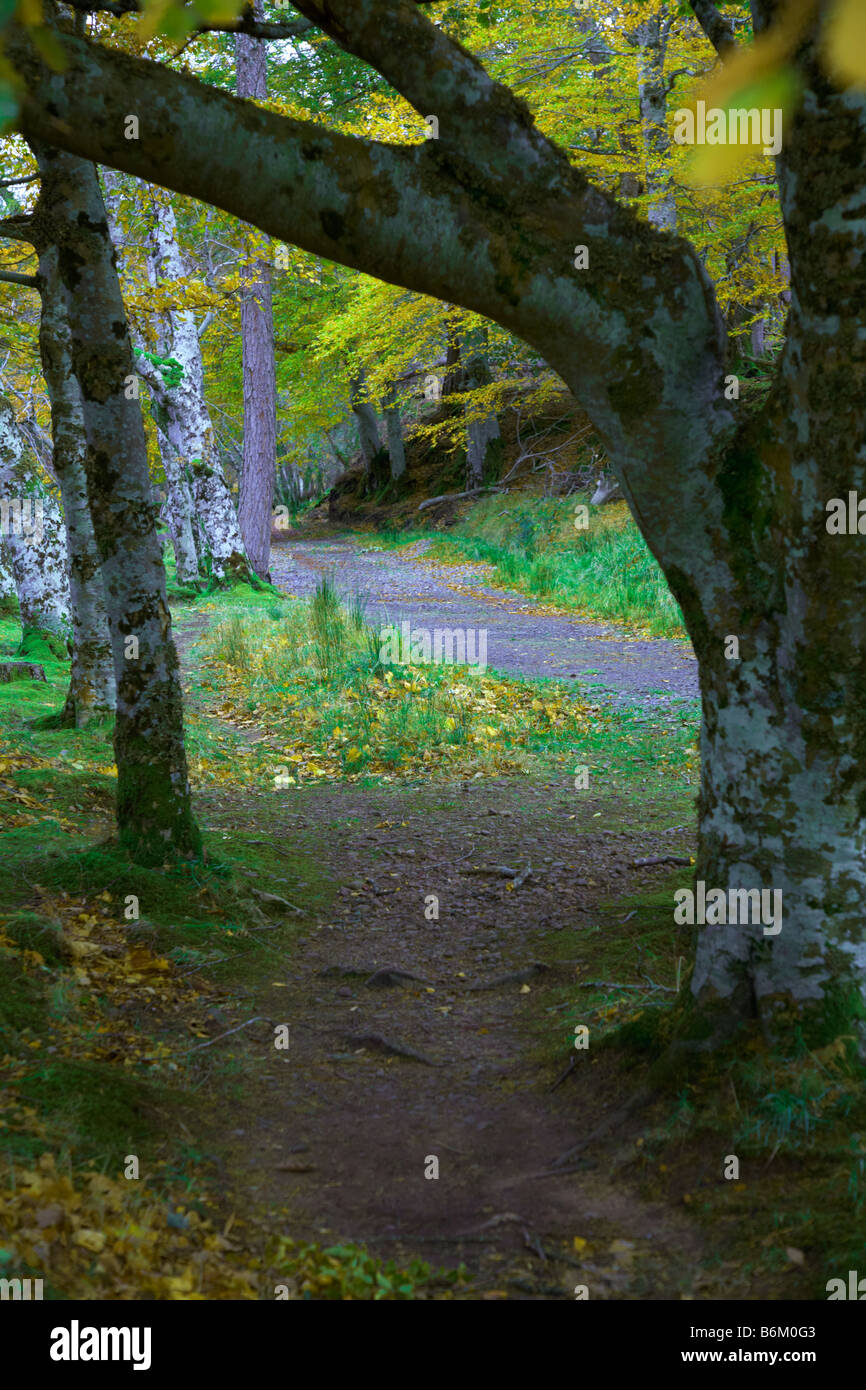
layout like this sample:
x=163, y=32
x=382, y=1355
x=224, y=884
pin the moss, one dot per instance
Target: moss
x=105, y=1113
x=39, y=645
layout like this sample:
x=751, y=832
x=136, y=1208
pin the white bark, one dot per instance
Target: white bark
x=652, y=36
x=188, y=425
x=180, y=503
x=34, y=540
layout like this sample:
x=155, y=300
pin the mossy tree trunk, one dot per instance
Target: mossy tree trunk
x=92, y=686
x=154, y=814
x=34, y=543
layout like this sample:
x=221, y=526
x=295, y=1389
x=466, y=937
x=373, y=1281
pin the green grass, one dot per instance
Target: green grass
x=314, y=678
x=605, y=571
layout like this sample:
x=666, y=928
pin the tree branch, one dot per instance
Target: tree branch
x=487, y=216
x=14, y=277
x=245, y=24
x=717, y=28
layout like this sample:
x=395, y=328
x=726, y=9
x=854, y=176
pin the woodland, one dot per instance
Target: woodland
x=432, y=662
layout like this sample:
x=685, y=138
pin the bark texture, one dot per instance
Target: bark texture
x=394, y=431
x=153, y=795
x=179, y=507
x=652, y=39
x=92, y=686
x=183, y=414
x=34, y=542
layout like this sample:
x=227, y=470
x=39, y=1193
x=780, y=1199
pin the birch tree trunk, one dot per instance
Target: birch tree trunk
x=180, y=503
x=8, y=591
x=652, y=38
x=154, y=813
x=258, y=474
x=34, y=543
x=483, y=435
x=368, y=425
x=92, y=686
x=187, y=424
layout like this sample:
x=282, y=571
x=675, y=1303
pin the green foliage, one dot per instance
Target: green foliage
x=348, y=1272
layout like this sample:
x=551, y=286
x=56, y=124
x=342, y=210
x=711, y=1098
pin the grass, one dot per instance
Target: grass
x=604, y=571
x=314, y=677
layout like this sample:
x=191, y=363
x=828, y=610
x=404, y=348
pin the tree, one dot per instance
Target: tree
x=153, y=795
x=34, y=543
x=92, y=686
x=255, y=509
x=732, y=504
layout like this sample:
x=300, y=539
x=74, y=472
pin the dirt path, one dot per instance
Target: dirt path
x=520, y=639
x=339, y=1130
x=421, y=1034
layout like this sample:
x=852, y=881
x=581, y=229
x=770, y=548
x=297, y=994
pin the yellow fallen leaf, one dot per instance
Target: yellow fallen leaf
x=89, y=1239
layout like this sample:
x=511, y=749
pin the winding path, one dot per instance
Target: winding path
x=522, y=637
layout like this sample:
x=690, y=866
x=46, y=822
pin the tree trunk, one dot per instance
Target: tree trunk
x=92, y=686
x=652, y=38
x=154, y=813
x=256, y=506
x=483, y=435
x=394, y=430
x=368, y=425
x=34, y=543
x=179, y=502
x=184, y=413
x=8, y=591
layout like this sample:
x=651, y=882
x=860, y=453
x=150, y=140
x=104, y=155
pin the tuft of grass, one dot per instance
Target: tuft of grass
x=532, y=544
x=231, y=643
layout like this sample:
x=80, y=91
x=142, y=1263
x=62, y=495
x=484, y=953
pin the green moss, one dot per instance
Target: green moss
x=37, y=645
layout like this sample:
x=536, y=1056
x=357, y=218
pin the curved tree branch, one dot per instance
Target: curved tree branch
x=487, y=216
x=14, y=277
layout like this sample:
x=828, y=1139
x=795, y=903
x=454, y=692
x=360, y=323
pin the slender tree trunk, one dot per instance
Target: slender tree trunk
x=652, y=37
x=154, y=812
x=368, y=425
x=187, y=423
x=92, y=686
x=34, y=542
x=8, y=591
x=256, y=506
x=180, y=503
x=394, y=430
x=483, y=435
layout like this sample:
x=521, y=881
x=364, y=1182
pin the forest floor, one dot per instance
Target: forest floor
x=428, y=949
